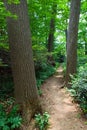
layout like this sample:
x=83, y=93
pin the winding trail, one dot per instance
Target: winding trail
x=64, y=114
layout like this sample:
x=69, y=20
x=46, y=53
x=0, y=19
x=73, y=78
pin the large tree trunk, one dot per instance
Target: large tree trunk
x=22, y=59
x=72, y=39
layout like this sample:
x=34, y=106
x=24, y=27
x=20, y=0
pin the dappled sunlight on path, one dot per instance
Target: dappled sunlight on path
x=63, y=112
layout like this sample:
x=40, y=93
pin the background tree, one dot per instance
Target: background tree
x=72, y=39
x=52, y=28
x=22, y=59
x=50, y=44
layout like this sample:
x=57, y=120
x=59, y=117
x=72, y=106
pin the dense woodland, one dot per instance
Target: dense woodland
x=36, y=37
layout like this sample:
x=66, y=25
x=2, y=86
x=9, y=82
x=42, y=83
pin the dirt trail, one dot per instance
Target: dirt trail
x=64, y=114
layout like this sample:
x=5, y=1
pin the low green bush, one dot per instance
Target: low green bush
x=42, y=121
x=9, y=117
x=79, y=87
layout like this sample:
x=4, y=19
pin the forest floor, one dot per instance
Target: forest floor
x=64, y=113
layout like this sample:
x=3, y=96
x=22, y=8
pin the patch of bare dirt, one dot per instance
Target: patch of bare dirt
x=64, y=114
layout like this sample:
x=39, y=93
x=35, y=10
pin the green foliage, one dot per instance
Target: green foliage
x=4, y=46
x=6, y=86
x=39, y=55
x=3, y=32
x=46, y=71
x=40, y=13
x=59, y=53
x=13, y=2
x=79, y=87
x=82, y=40
x=82, y=59
x=9, y=117
x=42, y=121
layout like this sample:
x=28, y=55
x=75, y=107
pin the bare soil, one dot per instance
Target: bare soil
x=56, y=100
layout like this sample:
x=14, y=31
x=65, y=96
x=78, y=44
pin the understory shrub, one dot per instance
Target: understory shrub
x=79, y=87
x=7, y=88
x=9, y=117
x=42, y=121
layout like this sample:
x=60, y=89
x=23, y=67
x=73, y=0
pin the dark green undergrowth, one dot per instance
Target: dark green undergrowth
x=7, y=89
x=79, y=87
x=10, y=119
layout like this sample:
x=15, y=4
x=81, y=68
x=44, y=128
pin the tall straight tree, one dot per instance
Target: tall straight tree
x=22, y=59
x=52, y=28
x=72, y=39
x=50, y=44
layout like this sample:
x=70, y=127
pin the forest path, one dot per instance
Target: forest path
x=64, y=114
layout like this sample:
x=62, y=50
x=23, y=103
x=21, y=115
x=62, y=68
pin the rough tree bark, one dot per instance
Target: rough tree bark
x=72, y=39
x=22, y=59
